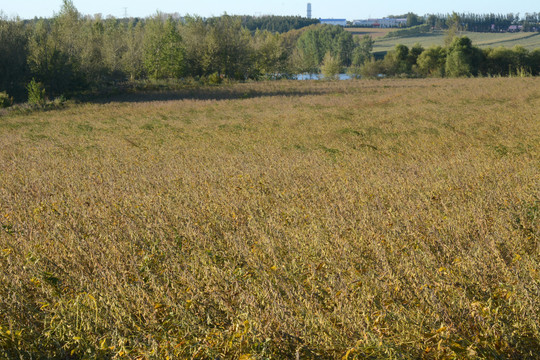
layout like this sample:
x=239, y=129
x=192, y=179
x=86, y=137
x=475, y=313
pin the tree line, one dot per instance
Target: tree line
x=280, y=24
x=475, y=22
x=72, y=54
x=459, y=58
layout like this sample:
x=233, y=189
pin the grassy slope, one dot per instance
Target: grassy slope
x=530, y=41
x=392, y=219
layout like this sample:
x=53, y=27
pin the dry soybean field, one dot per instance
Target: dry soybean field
x=392, y=219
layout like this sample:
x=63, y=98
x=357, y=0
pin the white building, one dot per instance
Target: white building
x=383, y=23
x=339, y=22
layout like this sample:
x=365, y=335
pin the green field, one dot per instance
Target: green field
x=528, y=40
x=391, y=219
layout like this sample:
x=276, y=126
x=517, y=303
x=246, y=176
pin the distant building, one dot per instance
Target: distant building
x=309, y=10
x=339, y=22
x=515, y=28
x=383, y=23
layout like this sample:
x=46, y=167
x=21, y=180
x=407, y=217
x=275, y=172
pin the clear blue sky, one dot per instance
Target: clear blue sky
x=349, y=9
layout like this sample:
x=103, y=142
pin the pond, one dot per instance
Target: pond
x=320, y=77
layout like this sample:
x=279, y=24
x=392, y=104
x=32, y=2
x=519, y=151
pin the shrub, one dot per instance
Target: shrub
x=36, y=93
x=331, y=66
x=5, y=100
x=372, y=69
x=214, y=79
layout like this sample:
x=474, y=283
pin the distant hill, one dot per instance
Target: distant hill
x=529, y=40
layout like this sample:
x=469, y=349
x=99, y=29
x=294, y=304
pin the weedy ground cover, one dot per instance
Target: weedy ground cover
x=354, y=219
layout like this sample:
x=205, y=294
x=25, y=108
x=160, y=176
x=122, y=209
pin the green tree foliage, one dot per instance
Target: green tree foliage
x=413, y=19
x=463, y=58
x=372, y=69
x=413, y=55
x=361, y=54
x=195, y=36
x=454, y=26
x=534, y=61
x=227, y=48
x=13, y=64
x=5, y=100
x=70, y=53
x=48, y=63
x=499, y=61
x=270, y=55
x=331, y=66
x=276, y=24
x=485, y=22
x=36, y=93
x=92, y=54
x=316, y=41
x=396, y=62
x=362, y=50
x=431, y=62
x=132, y=59
x=163, y=49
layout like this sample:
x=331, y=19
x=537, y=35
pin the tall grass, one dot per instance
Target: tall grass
x=358, y=219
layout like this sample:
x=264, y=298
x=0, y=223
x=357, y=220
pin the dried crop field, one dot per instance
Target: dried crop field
x=353, y=219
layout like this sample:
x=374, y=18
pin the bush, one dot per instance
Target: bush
x=36, y=93
x=214, y=79
x=372, y=69
x=331, y=67
x=5, y=100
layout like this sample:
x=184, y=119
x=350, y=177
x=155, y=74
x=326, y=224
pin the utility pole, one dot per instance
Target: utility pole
x=125, y=12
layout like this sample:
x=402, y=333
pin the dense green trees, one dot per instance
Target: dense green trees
x=276, y=24
x=163, y=49
x=13, y=66
x=478, y=22
x=462, y=58
x=71, y=53
x=459, y=59
x=317, y=41
x=431, y=62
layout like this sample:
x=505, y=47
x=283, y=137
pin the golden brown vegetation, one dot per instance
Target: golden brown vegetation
x=357, y=219
x=374, y=32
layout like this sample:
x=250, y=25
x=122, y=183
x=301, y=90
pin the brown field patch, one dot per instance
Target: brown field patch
x=356, y=219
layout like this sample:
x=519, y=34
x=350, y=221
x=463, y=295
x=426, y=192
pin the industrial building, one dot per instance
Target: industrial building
x=383, y=23
x=339, y=22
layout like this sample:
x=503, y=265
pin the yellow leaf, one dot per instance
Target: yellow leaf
x=441, y=329
x=346, y=357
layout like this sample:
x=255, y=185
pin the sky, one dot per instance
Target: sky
x=345, y=9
